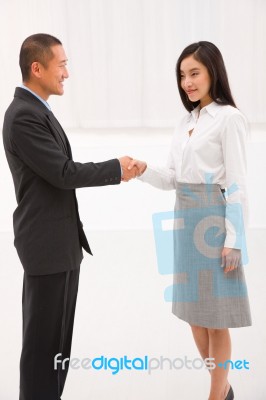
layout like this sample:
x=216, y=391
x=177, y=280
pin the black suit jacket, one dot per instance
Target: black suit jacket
x=47, y=227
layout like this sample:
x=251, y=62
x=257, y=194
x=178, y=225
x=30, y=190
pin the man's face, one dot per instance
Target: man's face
x=52, y=77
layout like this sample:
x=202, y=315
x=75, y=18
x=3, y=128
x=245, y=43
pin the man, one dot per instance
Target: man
x=48, y=232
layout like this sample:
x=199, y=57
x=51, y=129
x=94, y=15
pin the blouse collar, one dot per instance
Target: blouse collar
x=211, y=109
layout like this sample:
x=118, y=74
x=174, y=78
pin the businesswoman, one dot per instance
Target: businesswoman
x=207, y=156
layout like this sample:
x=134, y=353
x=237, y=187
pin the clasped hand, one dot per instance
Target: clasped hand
x=131, y=168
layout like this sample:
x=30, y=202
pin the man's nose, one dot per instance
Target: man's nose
x=66, y=73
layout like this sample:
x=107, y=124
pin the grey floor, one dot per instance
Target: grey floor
x=121, y=311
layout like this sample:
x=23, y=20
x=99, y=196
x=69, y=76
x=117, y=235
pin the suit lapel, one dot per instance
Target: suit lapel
x=60, y=133
x=58, y=130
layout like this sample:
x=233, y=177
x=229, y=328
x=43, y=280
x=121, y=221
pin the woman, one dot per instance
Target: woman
x=207, y=155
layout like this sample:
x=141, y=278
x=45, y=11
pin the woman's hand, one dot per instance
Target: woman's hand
x=141, y=166
x=231, y=259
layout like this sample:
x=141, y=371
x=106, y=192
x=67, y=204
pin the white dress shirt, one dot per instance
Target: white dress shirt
x=215, y=152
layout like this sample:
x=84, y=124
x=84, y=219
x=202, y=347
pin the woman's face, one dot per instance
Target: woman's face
x=195, y=81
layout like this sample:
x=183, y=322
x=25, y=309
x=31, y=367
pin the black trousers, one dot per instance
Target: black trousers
x=48, y=305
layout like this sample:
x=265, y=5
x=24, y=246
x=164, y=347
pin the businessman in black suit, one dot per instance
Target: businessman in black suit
x=49, y=236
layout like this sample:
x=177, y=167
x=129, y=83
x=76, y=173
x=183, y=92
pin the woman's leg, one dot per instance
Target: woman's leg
x=220, y=350
x=201, y=338
x=210, y=344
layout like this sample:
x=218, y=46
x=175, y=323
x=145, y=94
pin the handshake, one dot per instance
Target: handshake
x=131, y=168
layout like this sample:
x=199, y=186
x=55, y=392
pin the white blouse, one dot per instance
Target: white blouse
x=214, y=153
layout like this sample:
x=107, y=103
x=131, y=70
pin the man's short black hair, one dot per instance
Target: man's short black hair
x=36, y=48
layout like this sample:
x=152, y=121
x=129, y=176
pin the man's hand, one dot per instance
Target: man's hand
x=127, y=173
x=140, y=165
x=231, y=259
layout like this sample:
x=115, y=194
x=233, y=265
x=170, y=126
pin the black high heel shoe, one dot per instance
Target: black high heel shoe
x=230, y=394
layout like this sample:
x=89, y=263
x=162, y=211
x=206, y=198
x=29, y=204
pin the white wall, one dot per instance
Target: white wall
x=122, y=54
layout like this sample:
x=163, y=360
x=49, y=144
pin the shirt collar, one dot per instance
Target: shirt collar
x=195, y=113
x=211, y=109
x=36, y=95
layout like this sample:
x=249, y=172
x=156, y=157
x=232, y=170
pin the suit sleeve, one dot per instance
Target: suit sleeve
x=33, y=142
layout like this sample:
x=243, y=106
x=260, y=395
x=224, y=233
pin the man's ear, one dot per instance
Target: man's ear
x=36, y=69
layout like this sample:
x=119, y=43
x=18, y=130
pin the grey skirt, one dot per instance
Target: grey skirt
x=203, y=295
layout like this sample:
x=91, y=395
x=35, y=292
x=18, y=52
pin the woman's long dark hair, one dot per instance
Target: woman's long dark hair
x=210, y=56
